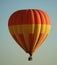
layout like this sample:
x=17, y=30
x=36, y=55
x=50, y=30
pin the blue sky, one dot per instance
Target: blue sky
x=10, y=52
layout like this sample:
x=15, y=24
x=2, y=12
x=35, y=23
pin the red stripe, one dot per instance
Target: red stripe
x=15, y=38
x=22, y=40
x=31, y=39
x=28, y=17
x=21, y=37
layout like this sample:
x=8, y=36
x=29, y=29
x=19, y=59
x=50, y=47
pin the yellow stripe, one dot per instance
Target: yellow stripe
x=48, y=27
x=29, y=28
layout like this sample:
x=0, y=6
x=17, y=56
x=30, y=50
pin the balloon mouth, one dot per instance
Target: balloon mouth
x=30, y=58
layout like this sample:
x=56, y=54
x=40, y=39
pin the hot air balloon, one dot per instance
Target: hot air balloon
x=29, y=28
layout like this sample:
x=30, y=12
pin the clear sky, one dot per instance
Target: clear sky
x=10, y=52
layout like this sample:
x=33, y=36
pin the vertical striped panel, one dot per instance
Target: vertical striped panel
x=37, y=28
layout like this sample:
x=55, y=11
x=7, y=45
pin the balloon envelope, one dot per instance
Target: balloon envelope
x=29, y=28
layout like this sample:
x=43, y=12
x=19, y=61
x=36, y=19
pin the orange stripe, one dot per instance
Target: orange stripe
x=31, y=16
x=42, y=17
x=47, y=19
x=40, y=41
